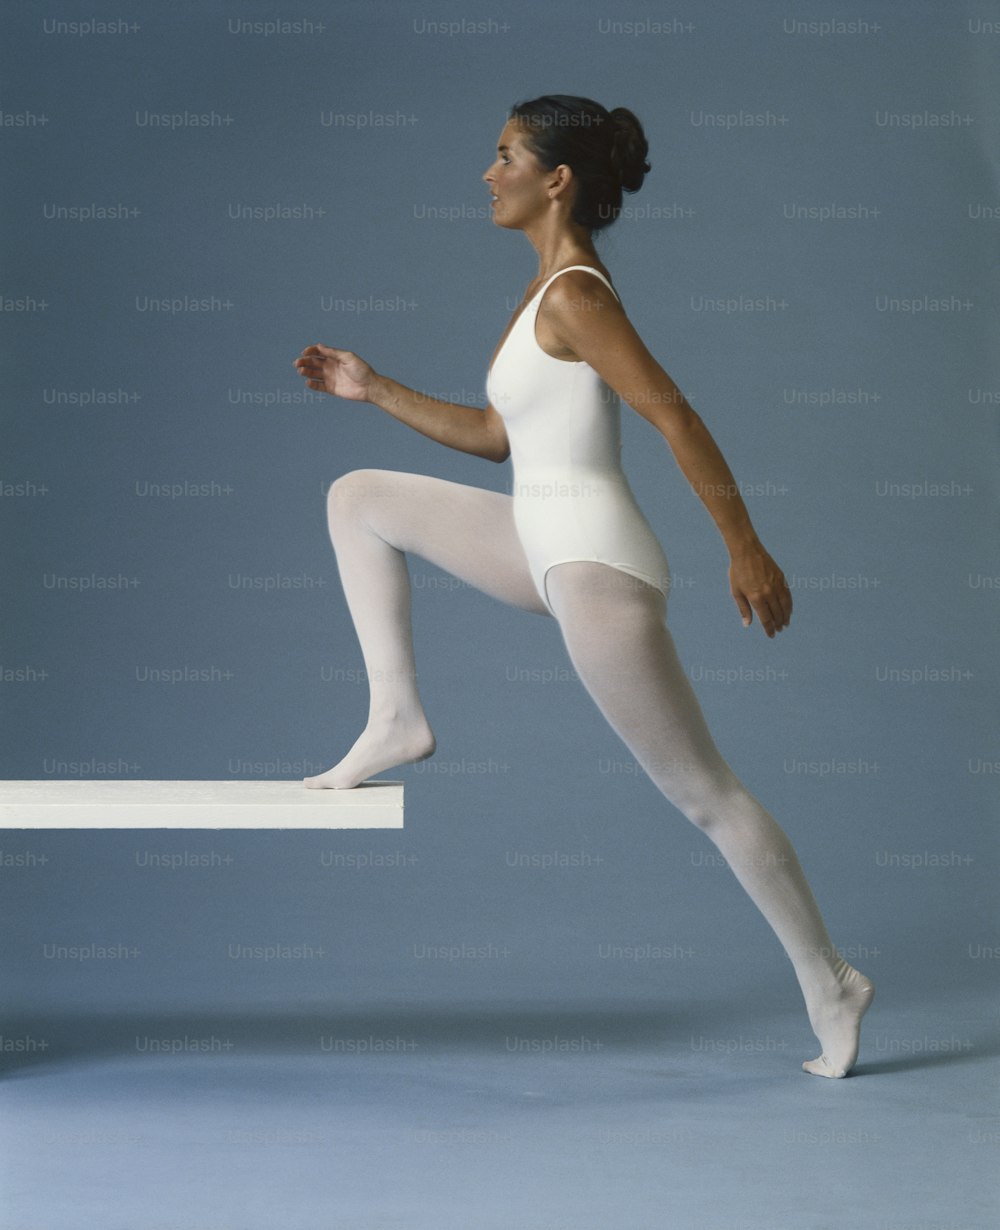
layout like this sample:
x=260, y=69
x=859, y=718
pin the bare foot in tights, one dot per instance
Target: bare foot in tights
x=836, y=1020
x=381, y=746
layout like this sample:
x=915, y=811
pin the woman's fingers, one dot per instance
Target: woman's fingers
x=772, y=614
x=315, y=365
x=773, y=610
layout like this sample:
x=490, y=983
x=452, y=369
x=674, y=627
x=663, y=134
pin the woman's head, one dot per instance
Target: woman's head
x=604, y=150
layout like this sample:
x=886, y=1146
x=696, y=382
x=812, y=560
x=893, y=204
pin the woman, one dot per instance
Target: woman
x=571, y=541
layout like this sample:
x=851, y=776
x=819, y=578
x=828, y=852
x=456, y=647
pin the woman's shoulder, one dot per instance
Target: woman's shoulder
x=577, y=286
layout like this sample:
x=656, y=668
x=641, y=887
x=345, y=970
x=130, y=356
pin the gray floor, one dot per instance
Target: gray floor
x=632, y=1115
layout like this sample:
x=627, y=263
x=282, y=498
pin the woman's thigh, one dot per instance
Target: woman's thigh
x=614, y=628
x=464, y=530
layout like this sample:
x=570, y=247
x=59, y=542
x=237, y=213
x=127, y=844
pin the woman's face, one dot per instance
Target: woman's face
x=517, y=180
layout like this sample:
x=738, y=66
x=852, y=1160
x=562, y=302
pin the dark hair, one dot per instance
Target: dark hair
x=606, y=151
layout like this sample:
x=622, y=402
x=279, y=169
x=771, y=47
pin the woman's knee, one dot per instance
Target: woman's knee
x=716, y=798
x=353, y=491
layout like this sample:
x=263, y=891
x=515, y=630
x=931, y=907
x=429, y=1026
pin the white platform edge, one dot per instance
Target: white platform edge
x=136, y=804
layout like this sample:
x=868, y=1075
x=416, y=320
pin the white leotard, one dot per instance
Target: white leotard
x=572, y=500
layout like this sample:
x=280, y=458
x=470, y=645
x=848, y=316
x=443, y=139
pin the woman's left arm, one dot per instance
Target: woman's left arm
x=589, y=320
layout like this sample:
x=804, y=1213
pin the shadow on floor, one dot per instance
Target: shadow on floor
x=33, y=1042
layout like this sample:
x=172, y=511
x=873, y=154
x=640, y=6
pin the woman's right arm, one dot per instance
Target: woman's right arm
x=465, y=428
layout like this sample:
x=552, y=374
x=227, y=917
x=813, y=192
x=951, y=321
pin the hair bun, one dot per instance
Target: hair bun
x=629, y=148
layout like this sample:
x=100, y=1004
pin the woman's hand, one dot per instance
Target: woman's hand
x=339, y=372
x=758, y=584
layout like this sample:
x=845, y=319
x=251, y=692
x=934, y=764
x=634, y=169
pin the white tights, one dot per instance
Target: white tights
x=614, y=628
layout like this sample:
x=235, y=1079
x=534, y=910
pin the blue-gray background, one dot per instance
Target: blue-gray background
x=840, y=189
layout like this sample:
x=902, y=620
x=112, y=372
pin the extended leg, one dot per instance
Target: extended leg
x=374, y=517
x=615, y=630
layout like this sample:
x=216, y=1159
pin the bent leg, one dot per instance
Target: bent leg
x=615, y=631
x=375, y=516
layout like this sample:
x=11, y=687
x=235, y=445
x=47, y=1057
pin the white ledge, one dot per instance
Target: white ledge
x=197, y=805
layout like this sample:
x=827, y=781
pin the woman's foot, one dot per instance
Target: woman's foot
x=379, y=747
x=836, y=1020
